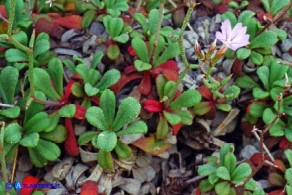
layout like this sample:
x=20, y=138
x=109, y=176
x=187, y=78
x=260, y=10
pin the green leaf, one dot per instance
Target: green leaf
x=229, y=162
x=232, y=92
x=259, y=94
x=39, y=122
x=213, y=178
x=36, y=159
x=243, y=53
x=277, y=5
x=108, y=105
x=185, y=116
x=230, y=16
x=57, y=135
x=95, y=117
x=206, y=169
x=67, y=111
x=40, y=47
x=123, y=38
x=142, y=66
x=187, y=99
x=153, y=21
x=42, y=82
x=168, y=89
x=128, y=110
x=288, y=176
x=106, y=140
x=138, y=127
x=105, y=159
x=11, y=112
x=257, y=109
x=141, y=49
x=265, y=39
x=256, y=58
x=30, y=140
x=113, y=51
x=240, y=173
x=222, y=188
x=263, y=73
x=123, y=150
x=202, y=108
x=13, y=133
x=87, y=18
x=223, y=173
x=115, y=27
x=282, y=35
x=205, y=186
x=288, y=154
x=170, y=52
x=224, y=107
x=173, y=119
x=162, y=128
x=251, y=185
x=86, y=137
x=110, y=78
x=48, y=150
x=141, y=20
x=56, y=71
x=96, y=59
x=224, y=150
x=90, y=90
x=160, y=45
x=77, y=90
x=15, y=55
x=8, y=81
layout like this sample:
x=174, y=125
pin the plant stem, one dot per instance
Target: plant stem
x=2, y=154
x=29, y=51
x=138, y=5
x=160, y=18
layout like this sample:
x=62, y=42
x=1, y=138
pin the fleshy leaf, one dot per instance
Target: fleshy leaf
x=266, y=39
x=58, y=135
x=110, y=78
x=106, y=140
x=55, y=70
x=128, y=110
x=138, y=127
x=223, y=173
x=90, y=90
x=86, y=137
x=15, y=55
x=206, y=169
x=105, y=159
x=223, y=188
x=173, y=119
x=141, y=49
x=123, y=150
x=108, y=106
x=8, y=81
x=95, y=117
x=240, y=173
x=186, y=99
x=30, y=140
x=39, y=122
x=12, y=133
x=48, y=150
x=11, y=112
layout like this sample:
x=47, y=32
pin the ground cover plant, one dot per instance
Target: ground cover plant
x=140, y=97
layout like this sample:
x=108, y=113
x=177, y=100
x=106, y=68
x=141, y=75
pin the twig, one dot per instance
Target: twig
x=139, y=3
x=286, y=63
x=262, y=144
x=276, y=18
x=6, y=105
x=194, y=179
x=2, y=154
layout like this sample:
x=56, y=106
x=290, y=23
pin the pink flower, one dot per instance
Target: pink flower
x=233, y=38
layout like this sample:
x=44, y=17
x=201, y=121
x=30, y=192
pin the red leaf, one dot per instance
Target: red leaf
x=211, y=114
x=176, y=128
x=3, y=11
x=44, y=25
x=70, y=145
x=247, y=128
x=277, y=192
x=236, y=68
x=280, y=165
x=80, y=112
x=125, y=79
x=71, y=22
x=130, y=69
x=28, y=180
x=95, y=100
x=284, y=143
x=89, y=188
x=68, y=90
x=131, y=51
x=153, y=106
x=145, y=85
x=205, y=92
x=256, y=159
x=169, y=69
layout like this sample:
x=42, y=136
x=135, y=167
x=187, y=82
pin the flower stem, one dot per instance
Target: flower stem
x=2, y=154
x=160, y=18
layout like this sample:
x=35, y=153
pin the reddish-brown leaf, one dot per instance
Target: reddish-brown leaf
x=277, y=192
x=70, y=145
x=28, y=180
x=151, y=146
x=44, y=25
x=89, y=188
x=205, y=92
x=236, y=68
x=125, y=79
x=176, y=128
x=153, y=106
x=71, y=21
x=80, y=112
x=280, y=165
x=284, y=143
x=145, y=85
